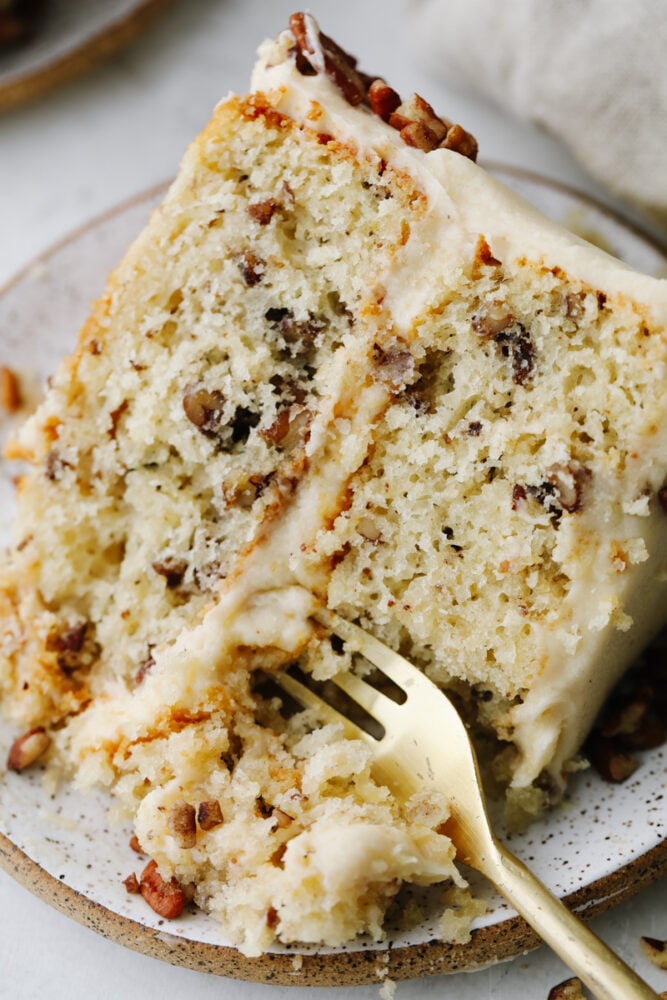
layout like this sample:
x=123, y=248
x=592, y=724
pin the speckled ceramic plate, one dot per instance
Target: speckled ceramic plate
x=601, y=847
x=72, y=37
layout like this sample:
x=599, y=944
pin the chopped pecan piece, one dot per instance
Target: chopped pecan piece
x=561, y=490
x=417, y=111
x=172, y=569
x=135, y=845
x=28, y=748
x=182, y=824
x=516, y=344
x=68, y=643
x=460, y=141
x=252, y=268
x=209, y=814
x=651, y=734
x=299, y=429
x=655, y=950
x=262, y=211
x=575, y=305
x=420, y=136
x=69, y=640
x=627, y=720
x=300, y=336
x=383, y=100
x=420, y=126
x=290, y=427
x=245, y=492
x=569, y=989
x=514, y=340
x=493, y=320
x=203, y=408
x=167, y=898
x=395, y=365
x=569, y=481
x=10, y=391
x=275, y=432
x=662, y=497
x=234, y=752
x=610, y=760
x=635, y=718
x=317, y=53
x=131, y=884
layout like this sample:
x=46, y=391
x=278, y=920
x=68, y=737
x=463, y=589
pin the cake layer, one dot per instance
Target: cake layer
x=341, y=365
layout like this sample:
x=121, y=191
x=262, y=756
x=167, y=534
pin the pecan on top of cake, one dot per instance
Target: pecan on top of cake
x=415, y=120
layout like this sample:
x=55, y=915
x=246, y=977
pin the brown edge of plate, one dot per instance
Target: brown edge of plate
x=23, y=88
x=488, y=945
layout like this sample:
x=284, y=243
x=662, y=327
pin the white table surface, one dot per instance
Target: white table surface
x=86, y=148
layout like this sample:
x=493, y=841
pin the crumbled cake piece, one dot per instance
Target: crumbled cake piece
x=341, y=365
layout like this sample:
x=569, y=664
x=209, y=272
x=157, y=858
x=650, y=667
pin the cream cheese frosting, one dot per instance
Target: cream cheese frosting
x=335, y=369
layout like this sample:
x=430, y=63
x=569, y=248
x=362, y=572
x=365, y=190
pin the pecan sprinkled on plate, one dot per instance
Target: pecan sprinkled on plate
x=28, y=748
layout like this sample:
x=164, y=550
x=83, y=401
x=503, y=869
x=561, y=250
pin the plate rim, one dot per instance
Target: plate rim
x=24, y=86
x=354, y=966
x=496, y=167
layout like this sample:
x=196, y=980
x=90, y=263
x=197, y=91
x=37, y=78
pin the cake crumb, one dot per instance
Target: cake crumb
x=461, y=908
x=388, y=989
x=297, y=963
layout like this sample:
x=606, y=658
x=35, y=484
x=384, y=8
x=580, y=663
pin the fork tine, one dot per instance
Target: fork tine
x=413, y=755
x=377, y=704
x=389, y=662
x=309, y=699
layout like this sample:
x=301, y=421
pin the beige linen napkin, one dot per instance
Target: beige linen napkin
x=593, y=72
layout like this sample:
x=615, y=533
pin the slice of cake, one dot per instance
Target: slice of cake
x=342, y=364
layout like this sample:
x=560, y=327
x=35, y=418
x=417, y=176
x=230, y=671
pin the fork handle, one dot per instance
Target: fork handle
x=605, y=974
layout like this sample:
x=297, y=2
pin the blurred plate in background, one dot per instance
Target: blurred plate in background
x=69, y=37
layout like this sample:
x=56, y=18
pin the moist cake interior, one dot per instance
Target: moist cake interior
x=341, y=365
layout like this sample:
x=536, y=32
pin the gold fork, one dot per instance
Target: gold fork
x=426, y=743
